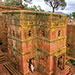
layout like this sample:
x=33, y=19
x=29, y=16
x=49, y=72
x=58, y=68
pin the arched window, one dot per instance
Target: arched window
x=68, y=45
x=59, y=32
x=61, y=62
x=5, y=25
x=0, y=42
x=43, y=33
x=10, y=31
x=14, y=44
x=29, y=33
x=18, y=33
x=13, y=33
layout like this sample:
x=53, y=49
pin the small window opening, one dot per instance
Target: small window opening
x=18, y=33
x=10, y=31
x=68, y=45
x=43, y=33
x=29, y=33
x=0, y=43
x=13, y=33
x=59, y=33
x=5, y=25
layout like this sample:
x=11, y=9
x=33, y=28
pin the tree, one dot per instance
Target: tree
x=37, y=8
x=56, y=4
x=17, y=3
x=28, y=1
x=33, y=7
x=73, y=14
x=11, y=3
x=25, y=5
x=69, y=15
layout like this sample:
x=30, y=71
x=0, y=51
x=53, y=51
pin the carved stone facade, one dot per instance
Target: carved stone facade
x=36, y=41
x=3, y=27
x=3, y=33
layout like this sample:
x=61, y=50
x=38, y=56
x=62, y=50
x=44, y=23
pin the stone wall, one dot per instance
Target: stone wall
x=3, y=26
x=3, y=29
x=3, y=33
x=71, y=40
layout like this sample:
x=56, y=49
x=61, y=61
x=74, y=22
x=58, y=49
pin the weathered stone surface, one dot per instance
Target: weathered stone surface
x=71, y=40
x=36, y=38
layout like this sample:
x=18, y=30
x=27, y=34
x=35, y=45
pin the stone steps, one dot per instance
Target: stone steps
x=3, y=59
x=11, y=69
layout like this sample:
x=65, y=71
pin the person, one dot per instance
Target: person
x=31, y=66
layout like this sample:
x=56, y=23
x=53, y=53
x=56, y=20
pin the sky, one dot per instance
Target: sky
x=69, y=8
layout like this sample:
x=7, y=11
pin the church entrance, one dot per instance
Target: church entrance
x=61, y=62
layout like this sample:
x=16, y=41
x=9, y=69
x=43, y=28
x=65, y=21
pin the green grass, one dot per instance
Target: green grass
x=72, y=62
